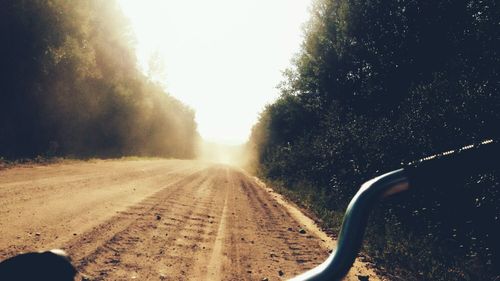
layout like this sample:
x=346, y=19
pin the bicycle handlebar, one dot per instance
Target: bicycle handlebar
x=438, y=168
x=454, y=165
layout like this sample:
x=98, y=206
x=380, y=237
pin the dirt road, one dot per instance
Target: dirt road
x=158, y=220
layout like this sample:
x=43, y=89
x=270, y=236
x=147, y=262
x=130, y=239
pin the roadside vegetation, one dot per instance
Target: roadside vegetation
x=27, y=162
x=379, y=83
x=70, y=86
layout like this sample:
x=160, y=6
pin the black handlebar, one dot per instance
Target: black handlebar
x=441, y=168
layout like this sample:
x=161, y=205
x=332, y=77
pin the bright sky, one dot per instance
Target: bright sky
x=221, y=57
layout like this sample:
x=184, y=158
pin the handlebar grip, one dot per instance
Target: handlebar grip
x=454, y=165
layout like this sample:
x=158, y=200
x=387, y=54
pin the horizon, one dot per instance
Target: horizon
x=198, y=58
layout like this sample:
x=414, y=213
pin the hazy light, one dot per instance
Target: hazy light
x=223, y=57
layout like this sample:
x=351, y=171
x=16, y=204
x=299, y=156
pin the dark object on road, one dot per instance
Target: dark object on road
x=51, y=265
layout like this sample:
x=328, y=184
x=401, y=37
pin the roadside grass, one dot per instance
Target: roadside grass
x=304, y=197
x=39, y=160
x=139, y=158
x=45, y=160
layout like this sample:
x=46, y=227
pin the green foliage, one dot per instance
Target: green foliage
x=70, y=85
x=378, y=83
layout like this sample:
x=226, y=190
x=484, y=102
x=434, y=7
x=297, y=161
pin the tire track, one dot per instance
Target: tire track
x=120, y=234
x=265, y=239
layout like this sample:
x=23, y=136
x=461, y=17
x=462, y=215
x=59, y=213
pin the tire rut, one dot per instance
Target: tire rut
x=124, y=230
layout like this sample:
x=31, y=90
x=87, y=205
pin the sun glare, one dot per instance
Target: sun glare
x=223, y=58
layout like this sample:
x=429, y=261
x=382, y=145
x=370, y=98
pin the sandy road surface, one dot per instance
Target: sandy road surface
x=157, y=220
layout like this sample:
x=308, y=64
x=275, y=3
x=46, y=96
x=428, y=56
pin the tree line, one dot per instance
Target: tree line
x=70, y=85
x=379, y=83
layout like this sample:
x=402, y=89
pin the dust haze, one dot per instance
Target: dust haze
x=234, y=155
x=76, y=88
